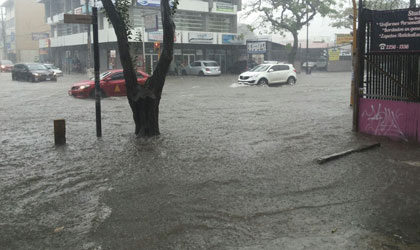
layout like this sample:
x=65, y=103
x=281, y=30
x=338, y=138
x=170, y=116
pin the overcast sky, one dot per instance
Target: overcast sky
x=318, y=28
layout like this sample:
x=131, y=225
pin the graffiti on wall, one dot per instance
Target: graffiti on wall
x=382, y=121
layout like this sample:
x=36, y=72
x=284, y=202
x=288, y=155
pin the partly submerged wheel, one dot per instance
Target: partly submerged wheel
x=184, y=72
x=200, y=73
x=291, y=80
x=263, y=81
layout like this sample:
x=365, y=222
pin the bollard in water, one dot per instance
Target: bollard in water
x=60, y=132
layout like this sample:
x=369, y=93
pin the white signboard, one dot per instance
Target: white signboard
x=157, y=36
x=200, y=37
x=256, y=47
x=151, y=23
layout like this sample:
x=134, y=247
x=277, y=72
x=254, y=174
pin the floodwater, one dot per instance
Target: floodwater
x=234, y=168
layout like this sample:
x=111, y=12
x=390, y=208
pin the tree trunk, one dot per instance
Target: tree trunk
x=144, y=100
x=292, y=54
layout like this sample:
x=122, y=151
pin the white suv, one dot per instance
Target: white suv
x=269, y=74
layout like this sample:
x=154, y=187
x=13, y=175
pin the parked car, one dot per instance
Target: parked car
x=58, y=72
x=111, y=82
x=312, y=65
x=6, y=65
x=32, y=72
x=269, y=74
x=321, y=63
x=202, y=68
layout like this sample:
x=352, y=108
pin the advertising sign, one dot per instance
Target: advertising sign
x=333, y=54
x=256, y=47
x=224, y=7
x=152, y=3
x=343, y=38
x=78, y=11
x=151, y=23
x=149, y=3
x=200, y=37
x=232, y=39
x=396, y=31
x=157, y=36
x=39, y=35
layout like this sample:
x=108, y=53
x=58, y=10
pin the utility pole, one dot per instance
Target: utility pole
x=3, y=34
x=89, y=40
x=307, y=39
x=354, y=53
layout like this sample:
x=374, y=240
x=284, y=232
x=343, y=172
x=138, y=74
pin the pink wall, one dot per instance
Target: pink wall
x=394, y=119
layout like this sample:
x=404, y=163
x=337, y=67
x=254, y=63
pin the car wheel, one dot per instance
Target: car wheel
x=13, y=77
x=291, y=80
x=54, y=79
x=31, y=79
x=263, y=81
x=184, y=72
x=200, y=73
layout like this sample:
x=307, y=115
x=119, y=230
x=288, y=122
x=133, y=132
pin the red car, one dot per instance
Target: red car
x=6, y=65
x=112, y=83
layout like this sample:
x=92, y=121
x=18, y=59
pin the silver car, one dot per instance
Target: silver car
x=202, y=68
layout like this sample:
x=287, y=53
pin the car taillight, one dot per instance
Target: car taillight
x=207, y=69
x=294, y=70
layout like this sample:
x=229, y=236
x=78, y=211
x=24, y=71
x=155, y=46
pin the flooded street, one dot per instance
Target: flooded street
x=234, y=168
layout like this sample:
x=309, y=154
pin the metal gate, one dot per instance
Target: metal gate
x=385, y=75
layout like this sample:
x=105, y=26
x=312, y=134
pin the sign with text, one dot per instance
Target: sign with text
x=396, y=31
x=157, y=36
x=343, y=38
x=36, y=36
x=224, y=7
x=333, y=54
x=72, y=18
x=232, y=39
x=200, y=37
x=256, y=47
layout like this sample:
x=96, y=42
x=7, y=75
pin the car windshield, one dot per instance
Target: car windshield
x=210, y=64
x=6, y=62
x=50, y=66
x=36, y=66
x=260, y=68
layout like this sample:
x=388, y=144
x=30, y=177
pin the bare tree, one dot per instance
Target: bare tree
x=144, y=100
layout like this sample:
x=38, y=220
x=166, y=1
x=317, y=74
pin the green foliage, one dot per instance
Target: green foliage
x=279, y=16
x=343, y=17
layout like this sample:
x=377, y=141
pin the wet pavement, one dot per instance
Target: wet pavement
x=234, y=168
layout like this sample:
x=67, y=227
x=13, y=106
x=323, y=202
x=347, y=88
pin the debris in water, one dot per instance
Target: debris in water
x=341, y=154
x=58, y=229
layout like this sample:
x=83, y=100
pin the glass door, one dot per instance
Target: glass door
x=187, y=59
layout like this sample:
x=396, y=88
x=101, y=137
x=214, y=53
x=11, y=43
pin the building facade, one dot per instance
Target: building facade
x=24, y=25
x=205, y=29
